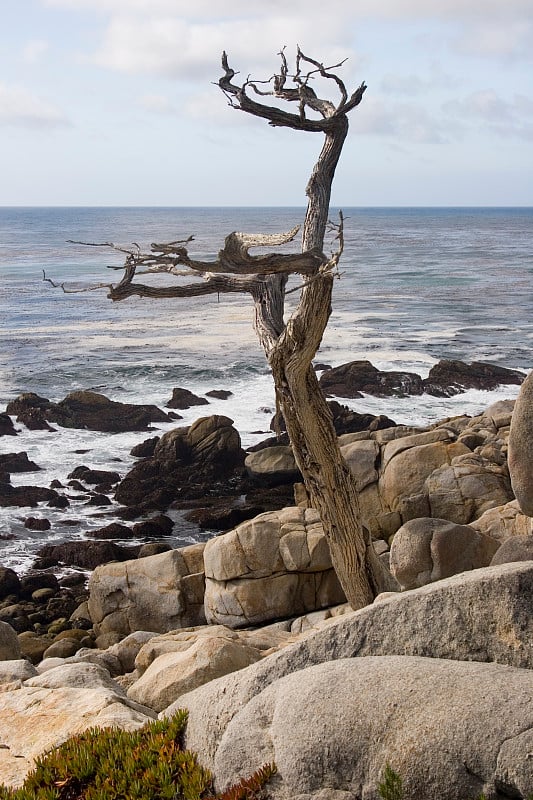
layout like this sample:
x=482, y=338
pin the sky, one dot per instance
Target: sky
x=115, y=102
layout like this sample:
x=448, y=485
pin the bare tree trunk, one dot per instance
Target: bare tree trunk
x=289, y=346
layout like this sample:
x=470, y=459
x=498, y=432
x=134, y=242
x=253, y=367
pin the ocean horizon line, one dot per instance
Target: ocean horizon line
x=211, y=206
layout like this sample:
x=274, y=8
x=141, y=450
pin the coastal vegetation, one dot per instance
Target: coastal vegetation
x=147, y=764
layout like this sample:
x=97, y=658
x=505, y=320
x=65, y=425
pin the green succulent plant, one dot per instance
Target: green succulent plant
x=112, y=764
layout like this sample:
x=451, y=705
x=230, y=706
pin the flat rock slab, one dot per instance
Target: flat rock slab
x=35, y=719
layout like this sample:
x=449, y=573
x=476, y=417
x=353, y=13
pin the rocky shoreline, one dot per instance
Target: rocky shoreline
x=249, y=630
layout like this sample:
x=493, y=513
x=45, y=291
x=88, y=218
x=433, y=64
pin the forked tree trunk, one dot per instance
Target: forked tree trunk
x=309, y=423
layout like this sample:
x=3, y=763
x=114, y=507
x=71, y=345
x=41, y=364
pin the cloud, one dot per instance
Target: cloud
x=408, y=123
x=33, y=51
x=412, y=85
x=20, y=108
x=510, y=39
x=508, y=118
x=173, y=46
x=385, y=9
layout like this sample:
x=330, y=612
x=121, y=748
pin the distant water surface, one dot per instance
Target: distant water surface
x=416, y=285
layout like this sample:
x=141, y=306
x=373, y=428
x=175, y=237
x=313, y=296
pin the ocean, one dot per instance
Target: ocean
x=417, y=285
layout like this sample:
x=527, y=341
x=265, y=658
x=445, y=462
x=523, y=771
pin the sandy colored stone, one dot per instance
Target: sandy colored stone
x=450, y=729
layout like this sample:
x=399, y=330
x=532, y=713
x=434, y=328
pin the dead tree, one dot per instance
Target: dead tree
x=291, y=346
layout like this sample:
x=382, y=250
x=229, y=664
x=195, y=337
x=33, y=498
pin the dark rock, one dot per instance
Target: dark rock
x=9, y=582
x=35, y=420
x=156, y=526
x=183, y=398
x=344, y=420
x=77, y=486
x=17, y=462
x=99, y=500
x=25, y=495
x=145, y=449
x=33, y=646
x=204, y=459
x=112, y=531
x=37, y=524
x=74, y=579
x=94, y=476
x=357, y=377
x=85, y=554
x=44, y=563
x=55, y=484
x=43, y=580
x=219, y=394
x=448, y=377
x=6, y=425
x=221, y=515
x=85, y=409
x=153, y=549
x=25, y=402
x=58, y=502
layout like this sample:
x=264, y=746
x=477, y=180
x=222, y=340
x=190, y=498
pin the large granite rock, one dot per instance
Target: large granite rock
x=157, y=593
x=450, y=729
x=521, y=447
x=276, y=565
x=483, y=615
x=502, y=522
x=428, y=549
x=85, y=409
x=273, y=466
x=175, y=673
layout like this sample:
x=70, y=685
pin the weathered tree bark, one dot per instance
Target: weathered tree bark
x=327, y=478
x=289, y=347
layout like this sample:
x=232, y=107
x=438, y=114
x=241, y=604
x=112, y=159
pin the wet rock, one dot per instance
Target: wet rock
x=112, y=531
x=449, y=377
x=205, y=459
x=87, y=555
x=6, y=426
x=85, y=409
x=344, y=420
x=219, y=394
x=183, y=398
x=99, y=500
x=32, y=582
x=145, y=449
x=37, y=524
x=58, y=502
x=35, y=420
x=156, y=526
x=9, y=582
x=17, y=462
x=445, y=379
x=94, y=476
x=357, y=377
x=25, y=495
